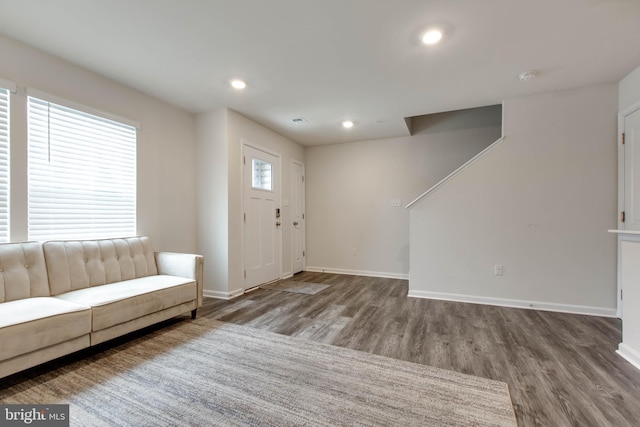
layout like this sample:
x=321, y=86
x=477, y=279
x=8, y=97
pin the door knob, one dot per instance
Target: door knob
x=295, y=223
x=278, y=224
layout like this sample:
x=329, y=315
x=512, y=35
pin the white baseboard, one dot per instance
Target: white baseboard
x=222, y=295
x=234, y=294
x=357, y=272
x=503, y=302
x=629, y=354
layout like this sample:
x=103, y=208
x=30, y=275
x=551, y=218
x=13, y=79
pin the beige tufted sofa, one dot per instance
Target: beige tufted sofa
x=59, y=297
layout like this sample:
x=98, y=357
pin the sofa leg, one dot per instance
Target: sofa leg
x=193, y=313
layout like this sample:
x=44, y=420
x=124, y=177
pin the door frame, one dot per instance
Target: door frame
x=304, y=216
x=622, y=115
x=247, y=143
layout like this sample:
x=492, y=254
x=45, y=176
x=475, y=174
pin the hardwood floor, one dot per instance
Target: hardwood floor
x=562, y=369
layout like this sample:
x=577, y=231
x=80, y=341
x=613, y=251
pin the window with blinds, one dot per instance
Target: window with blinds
x=82, y=174
x=4, y=165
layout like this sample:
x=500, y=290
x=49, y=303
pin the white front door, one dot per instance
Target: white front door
x=262, y=220
x=297, y=216
x=632, y=171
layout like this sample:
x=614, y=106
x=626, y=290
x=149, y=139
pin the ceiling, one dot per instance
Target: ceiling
x=331, y=60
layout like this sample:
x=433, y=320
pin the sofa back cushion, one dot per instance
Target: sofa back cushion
x=23, y=273
x=80, y=264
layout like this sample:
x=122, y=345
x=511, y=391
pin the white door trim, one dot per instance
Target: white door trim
x=621, y=193
x=304, y=220
x=247, y=143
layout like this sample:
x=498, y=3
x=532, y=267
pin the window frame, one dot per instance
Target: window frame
x=8, y=88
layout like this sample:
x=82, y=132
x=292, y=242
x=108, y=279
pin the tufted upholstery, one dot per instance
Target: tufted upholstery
x=23, y=273
x=75, y=265
x=59, y=297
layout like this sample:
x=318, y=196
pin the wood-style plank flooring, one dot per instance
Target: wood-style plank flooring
x=562, y=369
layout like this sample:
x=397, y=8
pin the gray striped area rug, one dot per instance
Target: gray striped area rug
x=209, y=373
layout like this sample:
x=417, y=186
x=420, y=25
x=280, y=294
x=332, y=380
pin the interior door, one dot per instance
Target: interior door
x=297, y=216
x=262, y=222
x=632, y=171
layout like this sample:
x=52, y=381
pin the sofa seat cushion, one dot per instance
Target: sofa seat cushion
x=31, y=324
x=121, y=302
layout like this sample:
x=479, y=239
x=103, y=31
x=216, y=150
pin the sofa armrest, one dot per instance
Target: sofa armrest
x=182, y=265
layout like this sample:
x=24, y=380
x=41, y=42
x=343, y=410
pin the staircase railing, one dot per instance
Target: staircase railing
x=455, y=172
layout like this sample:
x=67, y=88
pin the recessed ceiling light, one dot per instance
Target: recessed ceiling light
x=527, y=75
x=238, y=84
x=432, y=37
x=347, y=124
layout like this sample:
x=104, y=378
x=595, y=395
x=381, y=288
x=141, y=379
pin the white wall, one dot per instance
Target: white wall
x=351, y=225
x=539, y=204
x=220, y=136
x=166, y=142
x=213, y=200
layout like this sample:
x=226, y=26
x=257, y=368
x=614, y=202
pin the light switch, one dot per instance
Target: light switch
x=396, y=203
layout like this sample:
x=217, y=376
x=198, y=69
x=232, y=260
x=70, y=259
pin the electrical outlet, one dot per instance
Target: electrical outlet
x=497, y=269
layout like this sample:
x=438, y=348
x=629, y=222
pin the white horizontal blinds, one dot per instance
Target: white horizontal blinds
x=82, y=174
x=4, y=165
